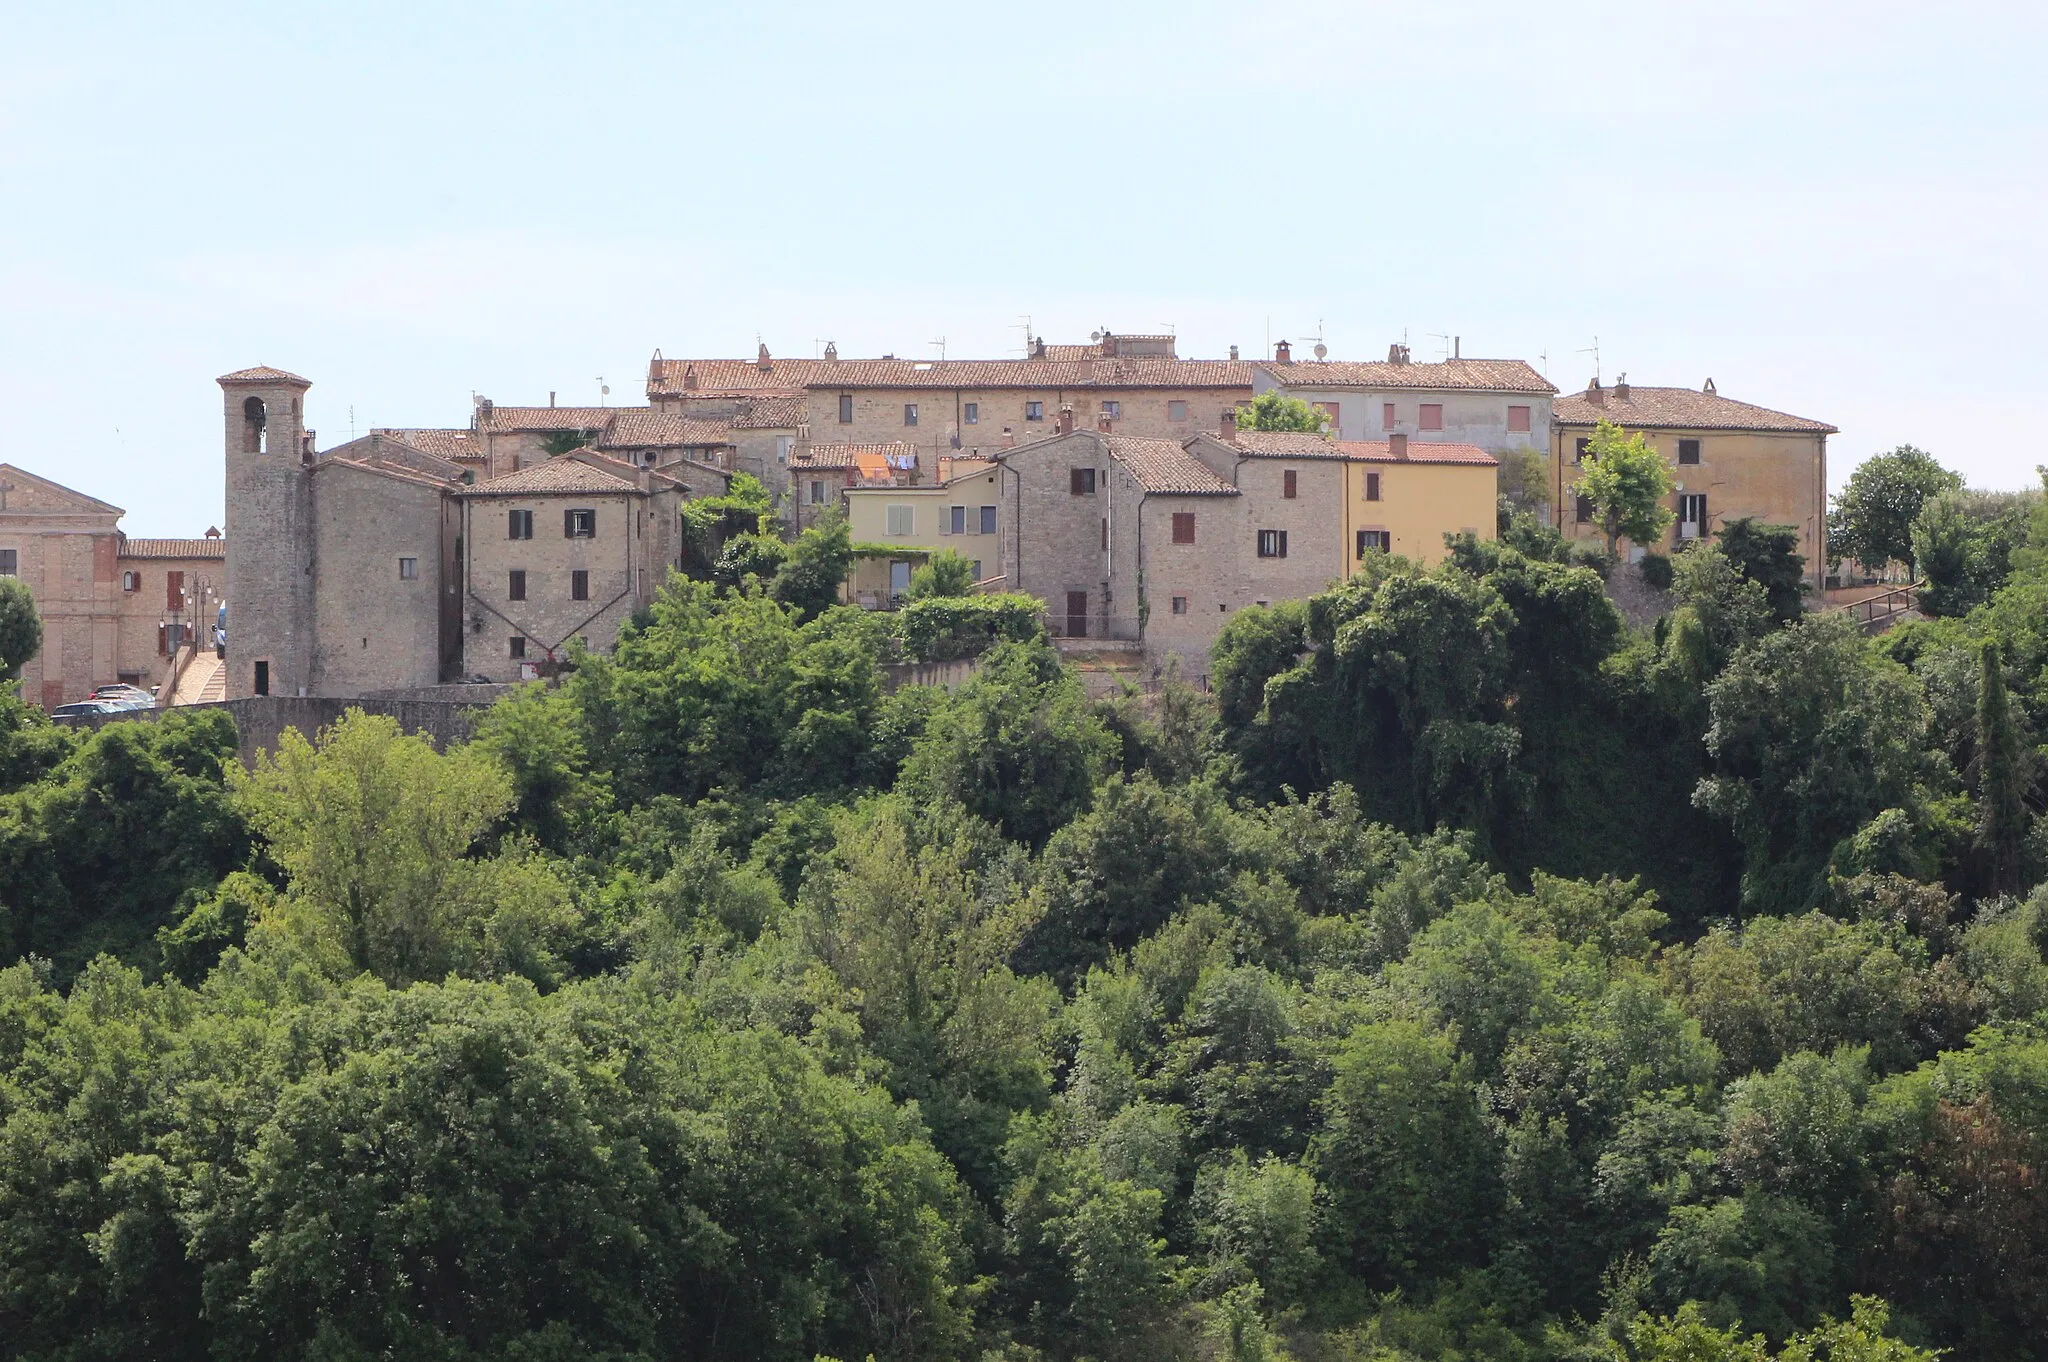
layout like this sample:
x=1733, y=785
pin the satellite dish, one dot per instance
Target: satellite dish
x=1322, y=350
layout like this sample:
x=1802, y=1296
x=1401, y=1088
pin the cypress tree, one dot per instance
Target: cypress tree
x=2001, y=778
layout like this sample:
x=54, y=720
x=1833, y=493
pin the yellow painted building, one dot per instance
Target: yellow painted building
x=1729, y=460
x=1404, y=497
x=959, y=512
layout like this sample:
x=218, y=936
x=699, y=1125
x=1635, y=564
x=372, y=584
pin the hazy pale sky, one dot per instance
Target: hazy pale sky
x=1836, y=210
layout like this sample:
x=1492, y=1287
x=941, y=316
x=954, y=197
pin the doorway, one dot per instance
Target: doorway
x=1077, y=614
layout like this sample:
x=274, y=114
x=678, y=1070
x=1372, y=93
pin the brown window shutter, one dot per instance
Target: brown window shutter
x=174, y=591
x=568, y=524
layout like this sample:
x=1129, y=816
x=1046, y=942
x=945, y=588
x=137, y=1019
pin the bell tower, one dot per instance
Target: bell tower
x=269, y=533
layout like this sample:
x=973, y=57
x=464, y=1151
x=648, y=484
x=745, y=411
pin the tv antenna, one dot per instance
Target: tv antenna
x=1443, y=336
x=1594, y=351
x=1025, y=322
x=1322, y=351
x=940, y=343
x=604, y=390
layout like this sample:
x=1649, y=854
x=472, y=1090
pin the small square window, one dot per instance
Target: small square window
x=579, y=524
x=408, y=569
x=1288, y=484
x=1112, y=409
x=971, y=413
x=1183, y=527
x=817, y=492
x=1584, y=510
x=1518, y=420
x=1180, y=605
x=1176, y=411
x=10, y=562
x=956, y=520
x=901, y=518
x=518, y=646
x=519, y=525
x=910, y=413
x=579, y=585
x=1432, y=417
x=1580, y=448
x=131, y=581
x=1272, y=543
x=846, y=409
x=1386, y=416
x=1330, y=409
x=988, y=520
x=1081, y=482
x=515, y=584
x=1034, y=411
x=1374, y=541
x=1372, y=487
x=1688, y=451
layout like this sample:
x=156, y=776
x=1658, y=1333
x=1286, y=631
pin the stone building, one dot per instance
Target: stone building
x=562, y=550
x=1729, y=459
x=1495, y=404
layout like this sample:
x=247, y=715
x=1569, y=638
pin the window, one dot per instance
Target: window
x=1176, y=411
x=519, y=525
x=1105, y=532
x=1518, y=420
x=408, y=569
x=1688, y=451
x=1114, y=410
x=910, y=413
x=1288, y=486
x=517, y=646
x=131, y=581
x=817, y=492
x=174, y=591
x=515, y=586
x=901, y=518
x=579, y=524
x=1692, y=515
x=971, y=413
x=10, y=562
x=1272, y=543
x=1386, y=416
x=1180, y=605
x=956, y=520
x=1081, y=482
x=1372, y=487
x=988, y=520
x=1034, y=411
x=1432, y=416
x=1580, y=448
x=1374, y=541
x=846, y=409
x=1183, y=527
x=262, y=679
x=1329, y=409
x=579, y=585
x=1584, y=510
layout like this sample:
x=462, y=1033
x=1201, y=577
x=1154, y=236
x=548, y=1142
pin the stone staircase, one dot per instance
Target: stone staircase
x=204, y=678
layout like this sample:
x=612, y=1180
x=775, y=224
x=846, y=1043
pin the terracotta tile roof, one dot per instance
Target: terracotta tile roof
x=640, y=428
x=897, y=455
x=740, y=375
x=459, y=445
x=500, y=420
x=1679, y=409
x=215, y=547
x=1163, y=466
x=1287, y=444
x=1480, y=375
x=568, y=473
x=367, y=463
x=263, y=373
x=773, y=413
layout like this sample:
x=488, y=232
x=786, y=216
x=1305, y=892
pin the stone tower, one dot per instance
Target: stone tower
x=269, y=533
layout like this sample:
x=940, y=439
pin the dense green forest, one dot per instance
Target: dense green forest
x=1463, y=976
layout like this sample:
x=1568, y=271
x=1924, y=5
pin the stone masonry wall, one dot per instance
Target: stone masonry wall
x=373, y=629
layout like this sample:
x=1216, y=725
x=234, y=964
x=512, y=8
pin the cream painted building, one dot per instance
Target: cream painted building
x=959, y=512
x=1494, y=404
x=1729, y=460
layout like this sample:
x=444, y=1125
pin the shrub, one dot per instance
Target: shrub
x=1657, y=571
x=939, y=628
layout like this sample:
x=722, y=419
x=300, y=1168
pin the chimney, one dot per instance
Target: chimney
x=654, y=367
x=761, y=360
x=1283, y=353
x=1710, y=390
x=1233, y=354
x=213, y=532
x=1621, y=387
x=551, y=397
x=1065, y=424
x=1009, y=438
x=1108, y=345
x=831, y=350
x=1397, y=445
x=1230, y=427
x=1394, y=353
x=1038, y=347
x=1457, y=347
x=690, y=378
x=1103, y=423
x=1595, y=394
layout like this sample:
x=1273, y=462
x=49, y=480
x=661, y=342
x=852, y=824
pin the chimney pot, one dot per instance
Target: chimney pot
x=1065, y=424
x=1283, y=353
x=551, y=397
x=832, y=350
x=1229, y=427
x=690, y=378
x=1595, y=394
x=1621, y=387
x=1103, y=424
x=1233, y=353
x=1397, y=445
x=761, y=360
x=1710, y=390
x=1009, y=438
x=1108, y=345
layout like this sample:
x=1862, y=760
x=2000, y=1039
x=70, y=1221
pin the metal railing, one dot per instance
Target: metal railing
x=1875, y=614
x=1109, y=628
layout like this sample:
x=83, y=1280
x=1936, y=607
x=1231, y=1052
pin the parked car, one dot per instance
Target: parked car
x=80, y=708
x=125, y=696
x=220, y=631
